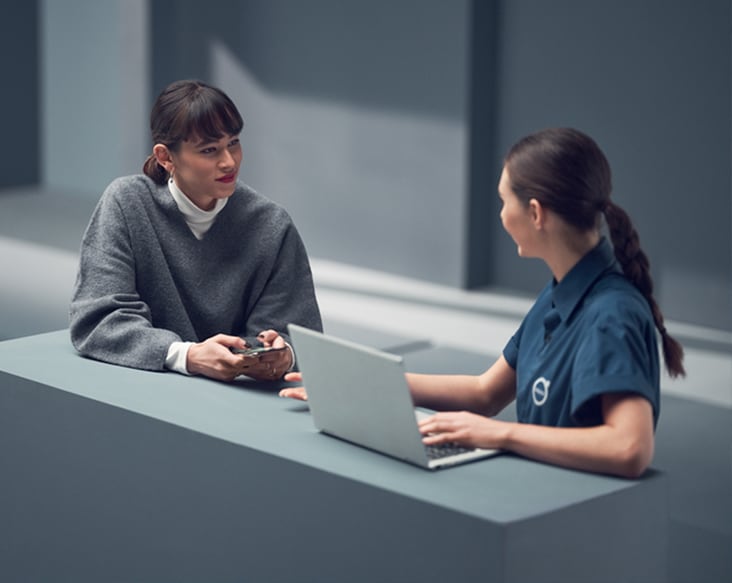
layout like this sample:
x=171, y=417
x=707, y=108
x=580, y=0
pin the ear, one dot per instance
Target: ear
x=537, y=214
x=164, y=157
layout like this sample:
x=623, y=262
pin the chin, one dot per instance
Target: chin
x=228, y=191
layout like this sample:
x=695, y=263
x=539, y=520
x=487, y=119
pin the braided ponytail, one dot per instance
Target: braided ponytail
x=568, y=173
x=636, y=267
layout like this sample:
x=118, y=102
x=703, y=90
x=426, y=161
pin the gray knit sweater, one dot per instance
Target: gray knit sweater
x=145, y=281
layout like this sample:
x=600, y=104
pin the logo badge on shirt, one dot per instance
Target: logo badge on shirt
x=540, y=391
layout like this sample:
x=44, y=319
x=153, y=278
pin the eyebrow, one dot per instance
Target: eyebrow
x=204, y=142
x=210, y=141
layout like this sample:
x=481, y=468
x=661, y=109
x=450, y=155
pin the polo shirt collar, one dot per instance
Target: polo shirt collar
x=568, y=293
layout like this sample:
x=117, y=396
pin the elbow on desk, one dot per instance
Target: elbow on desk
x=633, y=459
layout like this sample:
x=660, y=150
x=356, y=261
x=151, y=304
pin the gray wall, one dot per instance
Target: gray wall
x=95, y=96
x=20, y=149
x=650, y=80
x=381, y=125
x=382, y=128
x=355, y=118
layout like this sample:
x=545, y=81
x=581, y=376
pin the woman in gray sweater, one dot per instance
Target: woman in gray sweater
x=180, y=265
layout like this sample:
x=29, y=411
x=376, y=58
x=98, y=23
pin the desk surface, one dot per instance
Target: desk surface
x=502, y=489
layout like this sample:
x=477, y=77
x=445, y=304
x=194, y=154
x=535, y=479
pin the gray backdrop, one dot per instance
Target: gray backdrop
x=381, y=125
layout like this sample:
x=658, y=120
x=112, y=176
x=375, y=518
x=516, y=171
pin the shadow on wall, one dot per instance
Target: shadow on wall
x=397, y=56
x=367, y=193
x=355, y=119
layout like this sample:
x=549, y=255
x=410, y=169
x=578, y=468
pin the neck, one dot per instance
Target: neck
x=568, y=250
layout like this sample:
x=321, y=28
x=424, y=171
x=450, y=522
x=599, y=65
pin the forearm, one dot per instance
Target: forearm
x=486, y=394
x=603, y=449
x=446, y=392
x=118, y=336
x=623, y=445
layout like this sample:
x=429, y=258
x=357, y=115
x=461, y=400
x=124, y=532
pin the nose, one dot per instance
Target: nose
x=227, y=160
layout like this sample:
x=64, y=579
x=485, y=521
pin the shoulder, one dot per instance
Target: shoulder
x=616, y=301
x=250, y=197
x=125, y=189
x=254, y=205
x=134, y=182
x=124, y=200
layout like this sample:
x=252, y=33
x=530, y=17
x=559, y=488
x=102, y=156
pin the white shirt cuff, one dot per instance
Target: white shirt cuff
x=292, y=354
x=178, y=357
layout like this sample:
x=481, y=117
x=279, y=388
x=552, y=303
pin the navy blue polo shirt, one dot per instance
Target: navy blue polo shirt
x=590, y=334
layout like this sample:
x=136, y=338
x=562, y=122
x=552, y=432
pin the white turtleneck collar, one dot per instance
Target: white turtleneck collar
x=198, y=220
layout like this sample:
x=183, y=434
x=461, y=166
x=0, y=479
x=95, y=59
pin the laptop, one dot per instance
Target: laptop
x=359, y=394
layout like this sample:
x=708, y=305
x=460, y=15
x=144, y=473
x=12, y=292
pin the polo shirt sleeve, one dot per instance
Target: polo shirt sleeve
x=618, y=354
x=511, y=350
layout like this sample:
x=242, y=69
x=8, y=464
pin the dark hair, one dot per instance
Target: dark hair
x=567, y=172
x=189, y=110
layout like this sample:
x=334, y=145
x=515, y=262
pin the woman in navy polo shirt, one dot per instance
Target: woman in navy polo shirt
x=583, y=366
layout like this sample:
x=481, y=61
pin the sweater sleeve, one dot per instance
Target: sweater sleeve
x=289, y=295
x=108, y=320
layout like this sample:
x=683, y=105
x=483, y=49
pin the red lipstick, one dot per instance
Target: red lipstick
x=229, y=178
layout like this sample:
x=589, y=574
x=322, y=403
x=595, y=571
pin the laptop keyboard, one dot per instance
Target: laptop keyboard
x=445, y=449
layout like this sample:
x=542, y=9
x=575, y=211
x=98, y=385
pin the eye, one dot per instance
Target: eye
x=209, y=150
x=234, y=142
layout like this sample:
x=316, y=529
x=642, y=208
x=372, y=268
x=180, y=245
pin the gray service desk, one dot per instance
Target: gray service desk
x=114, y=474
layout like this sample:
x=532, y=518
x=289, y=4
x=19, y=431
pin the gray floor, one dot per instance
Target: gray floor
x=436, y=330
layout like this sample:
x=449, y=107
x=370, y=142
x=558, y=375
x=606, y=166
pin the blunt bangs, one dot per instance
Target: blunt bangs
x=208, y=116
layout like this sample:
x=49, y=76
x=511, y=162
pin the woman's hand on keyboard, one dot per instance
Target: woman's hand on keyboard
x=462, y=427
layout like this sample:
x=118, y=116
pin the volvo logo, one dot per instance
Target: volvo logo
x=540, y=391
